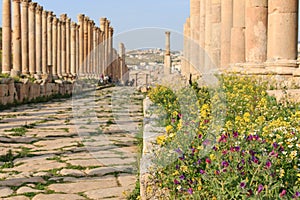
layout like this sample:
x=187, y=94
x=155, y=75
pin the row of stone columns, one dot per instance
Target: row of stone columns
x=252, y=36
x=44, y=44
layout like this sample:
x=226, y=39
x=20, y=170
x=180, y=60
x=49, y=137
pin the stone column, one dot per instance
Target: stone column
x=80, y=18
x=38, y=43
x=44, y=42
x=32, y=47
x=6, y=37
x=73, y=48
x=184, y=57
x=17, y=55
x=102, y=46
x=24, y=36
x=77, y=50
x=226, y=25
x=63, y=19
x=95, y=51
x=167, y=60
x=194, y=28
x=86, y=20
x=202, y=33
x=68, y=46
x=256, y=33
x=89, y=47
x=216, y=32
x=208, y=36
x=106, y=33
x=110, y=50
x=122, y=61
x=59, y=70
x=282, y=36
x=54, y=47
x=237, y=49
x=49, y=38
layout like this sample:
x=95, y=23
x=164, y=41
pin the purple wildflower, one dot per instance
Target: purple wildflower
x=225, y=164
x=237, y=148
x=202, y=171
x=260, y=188
x=268, y=164
x=182, y=177
x=176, y=182
x=198, y=162
x=275, y=145
x=243, y=185
x=282, y=193
x=190, y=191
x=235, y=134
x=297, y=195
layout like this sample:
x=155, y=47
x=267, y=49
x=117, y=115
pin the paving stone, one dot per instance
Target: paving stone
x=58, y=197
x=105, y=193
x=86, y=163
x=83, y=186
x=17, y=198
x=20, y=181
x=71, y=172
x=23, y=190
x=5, y=191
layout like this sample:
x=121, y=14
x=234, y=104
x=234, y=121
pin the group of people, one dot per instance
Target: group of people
x=107, y=79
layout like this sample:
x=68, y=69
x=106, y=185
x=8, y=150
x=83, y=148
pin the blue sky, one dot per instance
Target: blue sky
x=125, y=15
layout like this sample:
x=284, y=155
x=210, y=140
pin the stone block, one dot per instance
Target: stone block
x=3, y=90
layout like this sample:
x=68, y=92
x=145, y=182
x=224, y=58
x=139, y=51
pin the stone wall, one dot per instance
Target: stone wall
x=19, y=92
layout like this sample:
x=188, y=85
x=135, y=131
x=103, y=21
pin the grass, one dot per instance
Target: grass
x=20, y=131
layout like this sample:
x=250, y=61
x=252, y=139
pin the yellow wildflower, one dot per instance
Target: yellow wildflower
x=161, y=139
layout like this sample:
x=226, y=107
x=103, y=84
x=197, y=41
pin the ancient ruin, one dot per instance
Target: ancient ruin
x=247, y=37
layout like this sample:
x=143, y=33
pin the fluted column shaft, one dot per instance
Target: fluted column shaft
x=226, y=26
x=59, y=70
x=24, y=36
x=32, y=47
x=6, y=36
x=68, y=46
x=77, y=50
x=73, y=48
x=44, y=42
x=54, y=47
x=38, y=44
x=102, y=46
x=86, y=20
x=17, y=54
x=63, y=19
x=80, y=18
x=49, y=38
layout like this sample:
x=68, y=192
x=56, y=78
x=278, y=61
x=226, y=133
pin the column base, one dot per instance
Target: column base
x=15, y=73
x=286, y=67
x=253, y=69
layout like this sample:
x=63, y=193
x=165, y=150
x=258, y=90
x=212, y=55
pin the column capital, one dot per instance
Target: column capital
x=80, y=17
x=50, y=16
x=16, y=1
x=32, y=6
x=63, y=17
x=111, y=30
x=68, y=20
x=45, y=13
x=55, y=21
x=86, y=19
x=73, y=25
x=25, y=3
x=39, y=9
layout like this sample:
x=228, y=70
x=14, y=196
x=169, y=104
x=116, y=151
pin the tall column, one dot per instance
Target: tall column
x=110, y=50
x=38, y=44
x=226, y=25
x=167, y=62
x=68, y=46
x=32, y=49
x=237, y=49
x=54, y=47
x=256, y=31
x=49, y=38
x=85, y=60
x=195, y=28
x=24, y=36
x=106, y=34
x=282, y=36
x=80, y=18
x=63, y=18
x=102, y=46
x=44, y=42
x=208, y=37
x=202, y=33
x=73, y=48
x=17, y=56
x=122, y=61
x=89, y=46
x=6, y=37
x=77, y=50
x=184, y=60
x=216, y=32
x=94, y=51
x=59, y=70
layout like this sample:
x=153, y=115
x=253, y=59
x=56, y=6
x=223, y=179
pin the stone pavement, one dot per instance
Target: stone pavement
x=79, y=148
